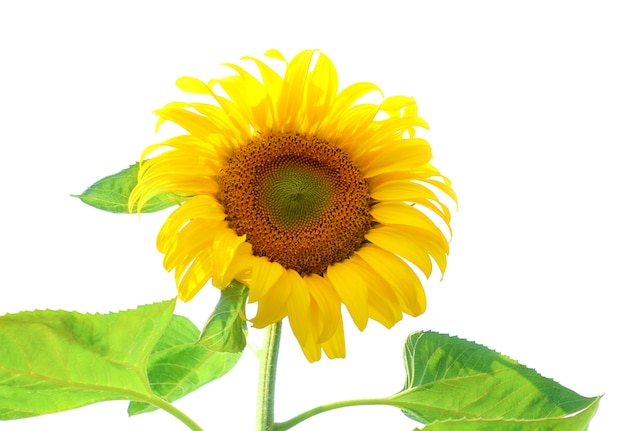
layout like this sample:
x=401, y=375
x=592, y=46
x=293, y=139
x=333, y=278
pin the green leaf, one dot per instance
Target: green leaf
x=185, y=359
x=52, y=361
x=579, y=421
x=111, y=194
x=225, y=331
x=455, y=384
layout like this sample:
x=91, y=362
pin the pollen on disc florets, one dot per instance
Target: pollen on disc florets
x=299, y=200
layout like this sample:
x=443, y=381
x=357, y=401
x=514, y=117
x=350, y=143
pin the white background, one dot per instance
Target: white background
x=526, y=103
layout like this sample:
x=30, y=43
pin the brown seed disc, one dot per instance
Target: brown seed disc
x=299, y=200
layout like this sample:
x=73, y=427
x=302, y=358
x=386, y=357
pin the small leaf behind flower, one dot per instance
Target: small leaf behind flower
x=52, y=361
x=185, y=359
x=225, y=331
x=454, y=384
x=111, y=194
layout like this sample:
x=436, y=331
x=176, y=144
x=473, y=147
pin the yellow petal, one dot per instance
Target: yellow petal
x=196, y=276
x=353, y=121
x=188, y=144
x=401, y=213
x=195, y=236
x=423, y=243
x=400, y=190
x=291, y=96
x=383, y=304
x=250, y=96
x=402, y=156
x=241, y=125
x=195, y=124
x=335, y=347
x=394, y=105
x=239, y=269
x=192, y=85
x=384, y=307
x=334, y=123
x=443, y=185
x=394, y=240
x=202, y=207
x=221, y=123
x=231, y=256
x=265, y=274
x=351, y=285
x=272, y=307
x=274, y=53
x=438, y=208
x=409, y=187
x=325, y=307
x=312, y=350
x=399, y=275
x=320, y=92
x=298, y=307
x=272, y=81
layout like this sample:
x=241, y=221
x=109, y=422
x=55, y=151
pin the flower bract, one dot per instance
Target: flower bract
x=312, y=197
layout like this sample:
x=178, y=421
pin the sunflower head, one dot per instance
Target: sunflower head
x=303, y=193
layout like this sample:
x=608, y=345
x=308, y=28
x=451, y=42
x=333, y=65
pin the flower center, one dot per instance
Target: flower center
x=299, y=200
x=295, y=191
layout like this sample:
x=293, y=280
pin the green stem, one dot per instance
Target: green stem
x=267, y=378
x=282, y=426
x=162, y=404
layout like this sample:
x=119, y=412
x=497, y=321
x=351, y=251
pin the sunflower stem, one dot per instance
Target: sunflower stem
x=267, y=377
x=162, y=404
x=283, y=426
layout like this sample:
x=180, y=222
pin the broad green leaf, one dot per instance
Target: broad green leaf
x=185, y=359
x=455, y=382
x=179, y=331
x=52, y=361
x=578, y=421
x=111, y=194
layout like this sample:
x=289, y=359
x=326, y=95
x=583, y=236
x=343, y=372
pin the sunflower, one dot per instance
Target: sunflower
x=307, y=195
